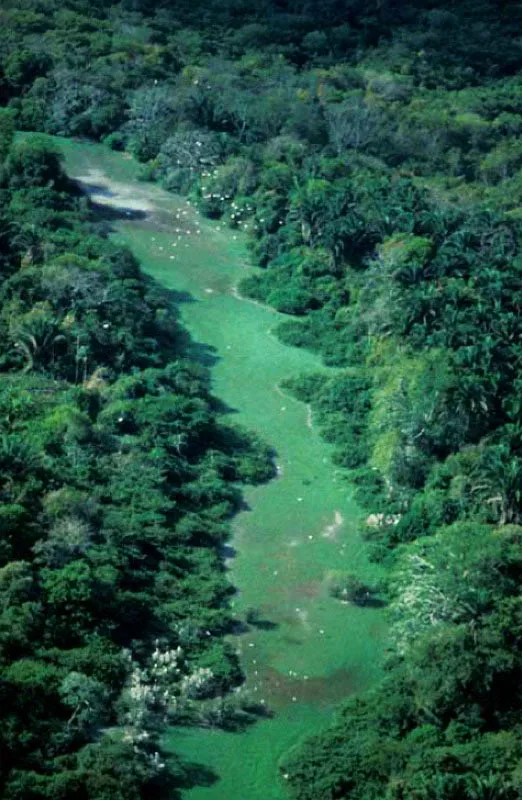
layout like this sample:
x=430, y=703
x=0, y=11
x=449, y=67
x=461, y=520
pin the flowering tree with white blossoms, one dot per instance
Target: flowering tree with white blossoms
x=160, y=690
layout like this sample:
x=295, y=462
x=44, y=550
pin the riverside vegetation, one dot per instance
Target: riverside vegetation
x=118, y=479
x=371, y=150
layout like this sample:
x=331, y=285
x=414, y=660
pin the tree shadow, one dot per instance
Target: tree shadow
x=103, y=211
x=367, y=600
x=240, y=717
x=372, y=602
x=240, y=720
x=203, y=354
x=199, y=352
x=173, y=297
x=223, y=408
x=265, y=625
x=253, y=619
x=239, y=443
x=227, y=551
x=194, y=775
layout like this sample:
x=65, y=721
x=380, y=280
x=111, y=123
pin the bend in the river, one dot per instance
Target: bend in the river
x=299, y=529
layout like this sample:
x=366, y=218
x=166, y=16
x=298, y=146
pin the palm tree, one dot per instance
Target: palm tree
x=34, y=334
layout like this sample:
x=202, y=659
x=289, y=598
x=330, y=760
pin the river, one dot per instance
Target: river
x=298, y=530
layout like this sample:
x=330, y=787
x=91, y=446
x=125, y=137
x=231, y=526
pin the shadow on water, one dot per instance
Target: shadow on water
x=203, y=354
x=255, y=619
x=239, y=720
x=109, y=213
x=93, y=188
x=227, y=551
x=241, y=627
x=372, y=602
x=185, y=775
x=223, y=408
x=193, y=774
x=177, y=297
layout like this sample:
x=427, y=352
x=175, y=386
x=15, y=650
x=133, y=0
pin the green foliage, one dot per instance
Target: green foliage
x=350, y=589
x=118, y=480
x=33, y=163
x=371, y=152
x=7, y=131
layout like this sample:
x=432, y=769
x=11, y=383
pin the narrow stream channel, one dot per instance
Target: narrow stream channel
x=299, y=529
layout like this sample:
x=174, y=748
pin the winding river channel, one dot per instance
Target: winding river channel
x=298, y=529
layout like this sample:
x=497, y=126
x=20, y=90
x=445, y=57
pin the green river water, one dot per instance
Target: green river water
x=298, y=529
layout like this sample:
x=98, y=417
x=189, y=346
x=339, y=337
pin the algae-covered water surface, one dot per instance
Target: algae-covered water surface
x=311, y=651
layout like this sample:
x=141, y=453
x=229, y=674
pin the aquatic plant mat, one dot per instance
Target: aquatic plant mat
x=303, y=651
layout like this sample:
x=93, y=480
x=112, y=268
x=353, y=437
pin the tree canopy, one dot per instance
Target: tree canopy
x=371, y=152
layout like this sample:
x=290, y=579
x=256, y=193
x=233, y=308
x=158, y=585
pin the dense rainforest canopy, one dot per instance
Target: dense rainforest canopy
x=372, y=153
